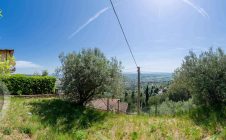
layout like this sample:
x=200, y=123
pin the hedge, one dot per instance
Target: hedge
x=29, y=85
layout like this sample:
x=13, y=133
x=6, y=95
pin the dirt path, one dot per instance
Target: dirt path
x=4, y=104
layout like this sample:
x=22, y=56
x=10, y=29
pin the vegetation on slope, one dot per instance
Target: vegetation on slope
x=57, y=119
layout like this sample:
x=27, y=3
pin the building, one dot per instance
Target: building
x=109, y=105
x=6, y=53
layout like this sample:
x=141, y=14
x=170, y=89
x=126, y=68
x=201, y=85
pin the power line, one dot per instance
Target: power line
x=138, y=68
x=127, y=42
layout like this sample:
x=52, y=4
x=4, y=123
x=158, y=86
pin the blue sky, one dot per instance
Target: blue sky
x=161, y=32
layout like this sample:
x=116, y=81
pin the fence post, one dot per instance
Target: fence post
x=108, y=104
x=118, y=105
x=149, y=111
x=156, y=109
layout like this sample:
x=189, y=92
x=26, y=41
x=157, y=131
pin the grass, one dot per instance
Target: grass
x=59, y=120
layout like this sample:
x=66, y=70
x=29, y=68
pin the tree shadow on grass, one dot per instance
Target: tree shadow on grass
x=64, y=116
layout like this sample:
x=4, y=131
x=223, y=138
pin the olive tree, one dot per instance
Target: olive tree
x=88, y=74
x=178, y=90
x=204, y=77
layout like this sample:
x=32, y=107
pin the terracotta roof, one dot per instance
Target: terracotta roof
x=113, y=104
x=10, y=50
x=6, y=49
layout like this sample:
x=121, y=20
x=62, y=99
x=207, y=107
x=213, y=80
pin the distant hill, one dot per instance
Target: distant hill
x=150, y=77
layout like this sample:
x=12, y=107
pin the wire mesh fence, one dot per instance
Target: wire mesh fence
x=169, y=108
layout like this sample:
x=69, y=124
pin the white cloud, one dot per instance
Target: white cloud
x=200, y=10
x=89, y=21
x=27, y=64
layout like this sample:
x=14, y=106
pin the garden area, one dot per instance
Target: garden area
x=53, y=118
x=191, y=107
x=112, y=70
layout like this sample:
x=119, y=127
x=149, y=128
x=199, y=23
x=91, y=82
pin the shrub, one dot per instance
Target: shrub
x=210, y=119
x=25, y=130
x=171, y=108
x=178, y=92
x=24, y=85
x=7, y=131
x=7, y=66
x=134, y=136
x=45, y=73
x=204, y=77
x=80, y=135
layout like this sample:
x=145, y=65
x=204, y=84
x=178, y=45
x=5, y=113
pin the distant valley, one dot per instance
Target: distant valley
x=150, y=77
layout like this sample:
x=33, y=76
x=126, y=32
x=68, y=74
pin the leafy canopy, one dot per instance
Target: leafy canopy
x=7, y=66
x=89, y=74
x=204, y=77
x=45, y=73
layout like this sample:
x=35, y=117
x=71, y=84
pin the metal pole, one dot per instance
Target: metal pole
x=138, y=90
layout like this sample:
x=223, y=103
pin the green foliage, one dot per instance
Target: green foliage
x=171, y=108
x=146, y=95
x=23, y=85
x=204, y=78
x=3, y=88
x=7, y=66
x=1, y=13
x=80, y=135
x=89, y=74
x=178, y=91
x=150, y=95
x=55, y=119
x=158, y=99
x=7, y=131
x=131, y=100
x=210, y=119
x=134, y=136
x=25, y=130
x=45, y=73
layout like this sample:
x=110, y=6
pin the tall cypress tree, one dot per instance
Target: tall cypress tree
x=146, y=95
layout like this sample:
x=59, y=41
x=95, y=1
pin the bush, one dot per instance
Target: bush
x=29, y=85
x=210, y=119
x=178, y=92
x=7, y=131
x=204, y=78
x=171, y=108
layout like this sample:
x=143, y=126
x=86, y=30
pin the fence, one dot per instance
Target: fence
x=165, y=108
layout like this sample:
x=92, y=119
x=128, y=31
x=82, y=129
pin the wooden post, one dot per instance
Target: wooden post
x=156, y=109
x=108, y=104
x=118, y=105
x=138, y=90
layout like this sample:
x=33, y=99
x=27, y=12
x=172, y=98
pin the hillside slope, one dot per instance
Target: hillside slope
x=56, y=119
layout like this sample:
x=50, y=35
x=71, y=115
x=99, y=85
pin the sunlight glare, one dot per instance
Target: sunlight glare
x=164, y=3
